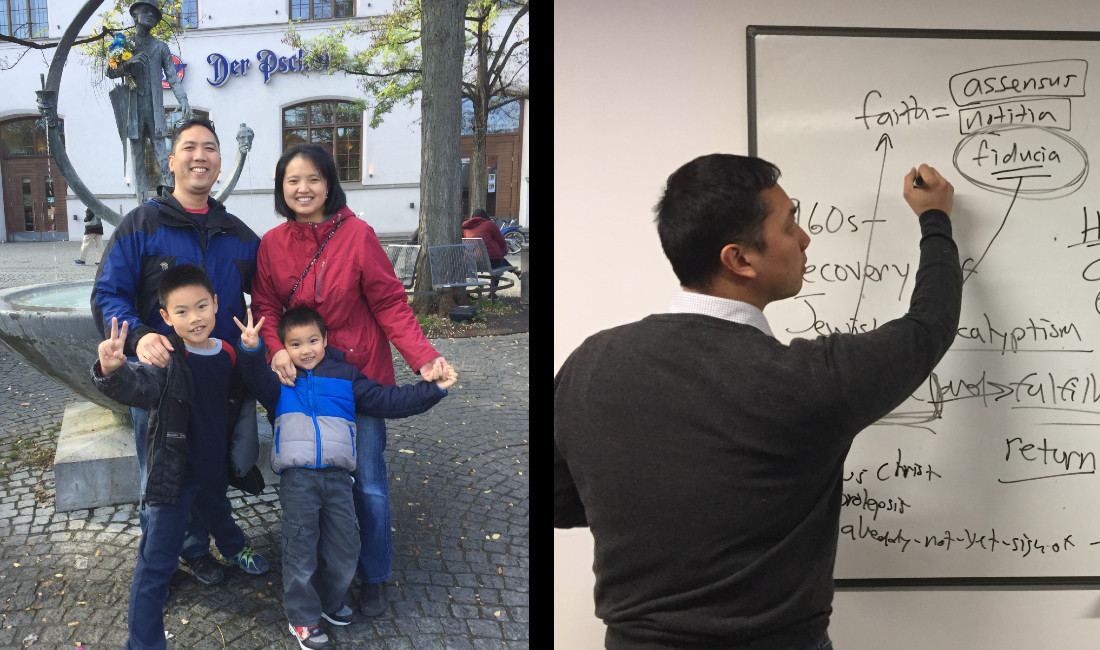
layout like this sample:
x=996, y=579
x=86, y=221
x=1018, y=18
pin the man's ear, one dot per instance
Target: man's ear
x=733, y=258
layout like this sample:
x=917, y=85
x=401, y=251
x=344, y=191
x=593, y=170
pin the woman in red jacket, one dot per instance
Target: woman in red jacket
x=326, y=258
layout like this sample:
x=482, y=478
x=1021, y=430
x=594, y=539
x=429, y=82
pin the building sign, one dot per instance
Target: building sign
x=492, y=182
x=179, y=73
x=267, y=62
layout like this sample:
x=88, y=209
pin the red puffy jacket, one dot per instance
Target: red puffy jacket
x=489, y=232
x=352, y=286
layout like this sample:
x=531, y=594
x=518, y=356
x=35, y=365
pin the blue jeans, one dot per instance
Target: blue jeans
x=320, y=542
x=196, y=541
x=371, y=493
x=160, y=545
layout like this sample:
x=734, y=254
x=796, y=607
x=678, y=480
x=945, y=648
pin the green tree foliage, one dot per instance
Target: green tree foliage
x=390, y=67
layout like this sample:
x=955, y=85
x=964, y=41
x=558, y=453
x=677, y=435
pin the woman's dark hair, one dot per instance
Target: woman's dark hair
x=322, y=160
x=708, y=203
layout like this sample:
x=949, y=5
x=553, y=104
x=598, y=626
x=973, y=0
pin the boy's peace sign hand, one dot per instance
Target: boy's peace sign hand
x=111, y=356
x=250, y=334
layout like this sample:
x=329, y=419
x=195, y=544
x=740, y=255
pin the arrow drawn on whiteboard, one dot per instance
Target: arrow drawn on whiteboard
x=883, y=140
x=973, y=269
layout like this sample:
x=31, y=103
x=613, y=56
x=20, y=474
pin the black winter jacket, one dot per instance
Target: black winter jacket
x=167, y=393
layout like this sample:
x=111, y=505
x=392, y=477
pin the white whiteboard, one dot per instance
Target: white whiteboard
x=988, y=473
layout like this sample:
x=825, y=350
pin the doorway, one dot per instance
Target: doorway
x=34, y=190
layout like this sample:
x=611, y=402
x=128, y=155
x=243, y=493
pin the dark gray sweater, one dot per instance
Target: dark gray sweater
x=707, y=459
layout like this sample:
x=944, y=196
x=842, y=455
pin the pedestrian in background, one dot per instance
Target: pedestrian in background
x=93, y=232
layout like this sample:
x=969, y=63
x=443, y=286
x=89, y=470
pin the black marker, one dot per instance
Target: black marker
x=918, y=181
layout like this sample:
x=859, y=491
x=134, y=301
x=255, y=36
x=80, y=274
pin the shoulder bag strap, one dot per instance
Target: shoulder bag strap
x=286, y=303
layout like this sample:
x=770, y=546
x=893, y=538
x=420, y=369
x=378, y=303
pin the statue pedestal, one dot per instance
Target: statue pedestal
x=95, y=463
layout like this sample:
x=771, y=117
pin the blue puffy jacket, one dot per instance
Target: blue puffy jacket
x=156, y=236
x=315, y=420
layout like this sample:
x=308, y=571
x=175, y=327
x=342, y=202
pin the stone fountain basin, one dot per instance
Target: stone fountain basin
x=58, y=340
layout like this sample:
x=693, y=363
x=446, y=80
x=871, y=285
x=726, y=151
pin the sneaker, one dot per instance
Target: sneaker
x=207, y=570
x=79, y=261
x=372, y=598
x=342, y=616
x=250, y=562
x=309, y=638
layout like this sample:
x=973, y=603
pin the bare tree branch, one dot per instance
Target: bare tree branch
x=392, y=73
x=38, y=45
x=507, y=33
x=498, y=64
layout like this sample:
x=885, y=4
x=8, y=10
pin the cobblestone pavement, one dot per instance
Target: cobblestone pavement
x=458, y=487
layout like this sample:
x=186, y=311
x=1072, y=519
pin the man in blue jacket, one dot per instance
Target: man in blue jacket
x=181, y=225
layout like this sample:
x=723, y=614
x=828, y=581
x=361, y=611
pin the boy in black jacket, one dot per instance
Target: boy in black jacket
x=189, y=425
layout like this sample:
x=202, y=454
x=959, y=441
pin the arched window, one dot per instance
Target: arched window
x=335, y=125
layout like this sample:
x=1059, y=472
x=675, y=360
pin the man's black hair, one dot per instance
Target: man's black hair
x=708, y=203
x=190, y=122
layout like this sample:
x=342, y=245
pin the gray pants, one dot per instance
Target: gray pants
x=320, y=542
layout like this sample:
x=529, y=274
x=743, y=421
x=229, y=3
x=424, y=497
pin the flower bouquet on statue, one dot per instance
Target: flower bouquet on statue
x=121, y=49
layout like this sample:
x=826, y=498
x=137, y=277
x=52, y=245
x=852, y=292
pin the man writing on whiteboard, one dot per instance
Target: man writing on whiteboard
x=711, y=477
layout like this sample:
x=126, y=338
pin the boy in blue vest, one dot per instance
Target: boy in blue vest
x=187, y=441
x=314, y=453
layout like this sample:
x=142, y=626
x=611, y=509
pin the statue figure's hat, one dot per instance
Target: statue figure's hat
x=149, y=4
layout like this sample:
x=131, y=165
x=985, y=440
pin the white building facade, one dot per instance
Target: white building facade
x=235, y=70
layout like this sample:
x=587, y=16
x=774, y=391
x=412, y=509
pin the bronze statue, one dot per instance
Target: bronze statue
x=139, y=107
x=47, y=107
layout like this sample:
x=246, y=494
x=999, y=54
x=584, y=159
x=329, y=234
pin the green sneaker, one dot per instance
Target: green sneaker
x=250, y=561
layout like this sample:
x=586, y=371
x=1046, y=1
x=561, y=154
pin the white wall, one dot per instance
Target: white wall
x=643, y=86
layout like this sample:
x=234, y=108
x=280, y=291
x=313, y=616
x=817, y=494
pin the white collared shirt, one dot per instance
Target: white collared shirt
x=686, y=302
